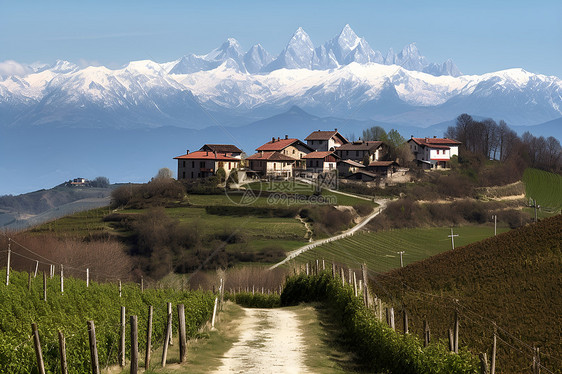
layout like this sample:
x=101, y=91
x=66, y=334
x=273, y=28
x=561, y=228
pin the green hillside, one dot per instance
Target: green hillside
x=379, y=250
x=544, y=187
x=513, y=279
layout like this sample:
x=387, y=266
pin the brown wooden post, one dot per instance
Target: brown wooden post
x=167, y=338
x=493, y=358
x=323, y=265
x=134, y=345
x=93, y=348
x=451, y=341
x=62, y=352
x=44, y=286
x=426, y=333
x=142, y=284
x=148, y=338
x=307, y=274
x=333, y=270
x=183, y=340
x=120, y=288
x=365, y=287
x=342, y=275
x=349, y=276
x=122, y=339
x=171, y=340
x=456, y=335
x=406, y=330
x=317, y=266
x=391, y=318
x=354, y=284
x=484, y=363
x=38, y=351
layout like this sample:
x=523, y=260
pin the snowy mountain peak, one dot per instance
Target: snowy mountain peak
x=256, y=58
x=298, y=54
x=62, y=66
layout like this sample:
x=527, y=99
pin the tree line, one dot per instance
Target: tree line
x=499, y=142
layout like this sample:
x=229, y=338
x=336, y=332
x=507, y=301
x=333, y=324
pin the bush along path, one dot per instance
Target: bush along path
x=378, y=346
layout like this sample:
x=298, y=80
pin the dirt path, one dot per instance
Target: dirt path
x=270, y=341
x=345, y=234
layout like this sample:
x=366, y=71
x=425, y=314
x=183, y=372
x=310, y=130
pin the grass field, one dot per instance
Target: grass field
x=379, y=249
x=544, y=187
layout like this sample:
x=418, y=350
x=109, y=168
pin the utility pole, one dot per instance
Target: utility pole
x=452, y=236
x=401, y=260
x=495, y=217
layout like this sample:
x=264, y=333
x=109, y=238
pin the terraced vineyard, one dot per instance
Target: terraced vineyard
x=379, y=249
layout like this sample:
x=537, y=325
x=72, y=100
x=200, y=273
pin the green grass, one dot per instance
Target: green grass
x=544, y=187
x=379, y=249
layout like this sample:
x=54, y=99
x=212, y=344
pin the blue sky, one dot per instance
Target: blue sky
x=480, y=36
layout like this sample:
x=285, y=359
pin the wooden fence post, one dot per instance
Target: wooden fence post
x=365, y=287
x=44, y=286
x=167, y=338
x=122, y=339
x=333, y=270
x=391, y=318
x=354, y=284
x=483, y=363
x=148, y=338
x=62, y=278
x=493, y=358
x=349, y=276
x=142, y=284
x=36, y=269
x=342, y=275
x=456, y=335
x=183, y=340
x=62, y=351
x=405, y=321
x=214, y=313
x=93, y=348
x=38, y=352
x=426, y=333
x=323, y=265
x=451, y=341
x=169, y=307
x=307, y=274
x=8, y=263
x=87, y=277
x=120, y=288
x=134, y=345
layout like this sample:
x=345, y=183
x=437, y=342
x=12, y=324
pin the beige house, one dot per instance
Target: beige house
x=203, y=164
x=272, y=163
x=361, y=150
x=325, y=140
x=347, y=167
x=320, y=161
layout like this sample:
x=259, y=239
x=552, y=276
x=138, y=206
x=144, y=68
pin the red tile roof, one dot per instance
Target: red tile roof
x=382, y=163
x=432, y=142
x=280, y=144
x=222, y=148
x=271, y=156
x=204, y=155
x=360, y=146
x=321, y=135
x=319, y=154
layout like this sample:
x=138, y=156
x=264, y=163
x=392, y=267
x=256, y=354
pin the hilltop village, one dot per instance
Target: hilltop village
x=321, y=152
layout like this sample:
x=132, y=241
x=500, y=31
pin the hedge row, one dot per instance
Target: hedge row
x=256, y=300
x=379, y=347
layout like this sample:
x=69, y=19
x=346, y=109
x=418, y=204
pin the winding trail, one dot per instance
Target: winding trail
x=382, y=204
x=270, y=341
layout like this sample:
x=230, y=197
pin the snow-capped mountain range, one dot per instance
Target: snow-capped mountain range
x=343, y=77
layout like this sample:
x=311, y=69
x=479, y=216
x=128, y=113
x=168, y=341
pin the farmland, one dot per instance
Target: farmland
x=544, y=187
x=512, y=279
x=379, y=249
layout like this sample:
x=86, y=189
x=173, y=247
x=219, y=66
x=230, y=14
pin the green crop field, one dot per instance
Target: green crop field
x=379, y=249
x=544, y=187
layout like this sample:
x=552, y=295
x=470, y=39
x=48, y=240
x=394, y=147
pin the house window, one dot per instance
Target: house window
x=347, y=153
x=193, y=164
x=293, y=151
x=184, y=164
x=183, y=174
x=191, y=175
x=202, y=164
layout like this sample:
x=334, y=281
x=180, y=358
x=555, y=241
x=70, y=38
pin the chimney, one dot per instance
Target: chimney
x=207, y=153
x=278, y=139
x=187, y=152
x=434, y=136
x=336, y=129
x=411, y=136
x=286, y=137
x=426, y=139
x=273, y=139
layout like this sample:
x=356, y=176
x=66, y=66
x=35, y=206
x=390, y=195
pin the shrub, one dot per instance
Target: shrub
x=256, y=300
